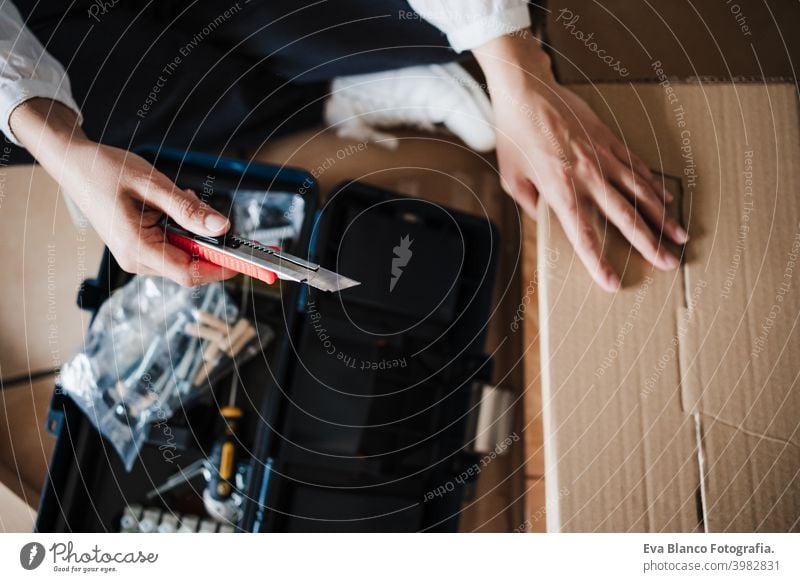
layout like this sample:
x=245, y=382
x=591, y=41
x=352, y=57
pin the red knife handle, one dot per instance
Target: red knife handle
x=220, y=259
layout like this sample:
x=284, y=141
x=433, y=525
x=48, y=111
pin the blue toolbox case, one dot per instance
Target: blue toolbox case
x=320, y=457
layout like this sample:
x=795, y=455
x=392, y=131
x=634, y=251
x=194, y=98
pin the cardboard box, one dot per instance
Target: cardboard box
x=673, y=405
x=25, y=444
x=616, y=40
x=45, y=259
x=16, y=516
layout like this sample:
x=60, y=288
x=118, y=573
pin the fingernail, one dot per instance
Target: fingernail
x=215, y=222
x=668, y=261
x=613, y=283
x=681, y=233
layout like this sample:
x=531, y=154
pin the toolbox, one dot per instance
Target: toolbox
x=364, y=405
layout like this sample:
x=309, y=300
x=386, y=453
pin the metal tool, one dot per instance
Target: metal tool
x=131, y=516
x=184, y=475
x=169, y=523
x=219, y=494
x=136, y=519
x=254, y=259
x=224, y=477
x=220, y=497
x=150, y=520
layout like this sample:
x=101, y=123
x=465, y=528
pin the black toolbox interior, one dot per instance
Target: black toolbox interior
x=356, y=410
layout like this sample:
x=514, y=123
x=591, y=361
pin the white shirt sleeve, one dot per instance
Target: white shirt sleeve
x=27, y=70
x=470, y=23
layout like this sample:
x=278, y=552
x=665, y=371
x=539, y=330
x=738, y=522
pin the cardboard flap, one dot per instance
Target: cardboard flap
x=745, y=344
x=673, y=403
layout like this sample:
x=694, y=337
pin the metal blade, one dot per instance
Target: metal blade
x=289, y=267
x=326, y=280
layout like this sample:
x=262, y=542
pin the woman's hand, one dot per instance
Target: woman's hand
x=121, y=194
x=550, y=142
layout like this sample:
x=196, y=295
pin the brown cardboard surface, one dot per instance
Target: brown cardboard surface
x=15, y=515
x=10, y=479
x=719, y=38
x=45, y=258
x=534, y=444
x=25, y=445
x=535, y=504
x=445, y=172
x=673, y=405
x=535, y=507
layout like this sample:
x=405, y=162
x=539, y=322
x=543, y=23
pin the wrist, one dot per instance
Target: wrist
x=48, y=129
x=513, y=60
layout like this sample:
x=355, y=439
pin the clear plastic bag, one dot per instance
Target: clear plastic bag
x=149, y=352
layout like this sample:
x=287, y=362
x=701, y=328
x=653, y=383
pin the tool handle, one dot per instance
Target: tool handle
x=221, y=259
x=223, y=457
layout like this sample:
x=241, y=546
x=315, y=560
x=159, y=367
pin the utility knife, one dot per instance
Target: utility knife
x=254, y=259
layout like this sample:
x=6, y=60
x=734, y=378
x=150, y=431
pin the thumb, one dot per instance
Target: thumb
x=185, y=208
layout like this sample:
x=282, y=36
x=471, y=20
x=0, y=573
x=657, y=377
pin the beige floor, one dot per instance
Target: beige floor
x=45, y=257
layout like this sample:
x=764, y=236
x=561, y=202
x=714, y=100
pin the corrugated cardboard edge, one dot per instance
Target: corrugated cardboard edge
x=744, y=406
x=694, y=80
x=552, y=485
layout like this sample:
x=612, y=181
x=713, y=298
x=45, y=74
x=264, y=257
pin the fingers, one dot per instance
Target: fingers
x=639, y=188
x=525, y=193
x=633, y=161
x=645, y=199
x=571, y=214
x=153, y=256
x=175, y=264
x=633, y=227
x=187, y=271
x=661, y=188
x=183, y=206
